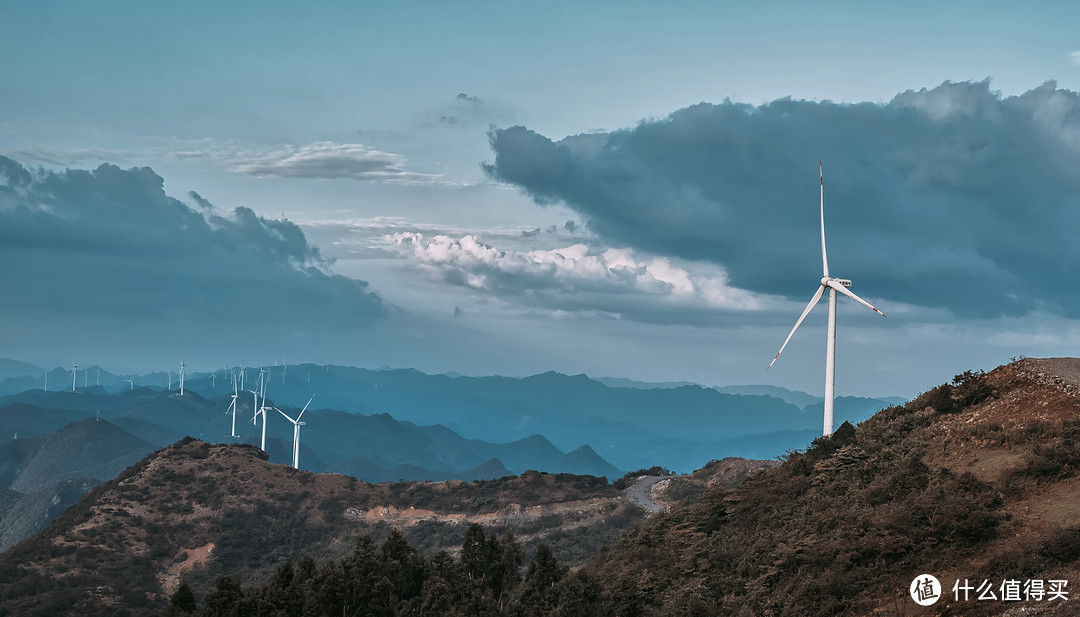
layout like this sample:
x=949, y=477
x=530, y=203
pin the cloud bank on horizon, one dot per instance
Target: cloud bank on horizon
x=953, y=197
x=111, y=242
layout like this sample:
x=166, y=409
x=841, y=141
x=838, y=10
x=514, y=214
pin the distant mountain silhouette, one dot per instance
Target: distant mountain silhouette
x=614, y=416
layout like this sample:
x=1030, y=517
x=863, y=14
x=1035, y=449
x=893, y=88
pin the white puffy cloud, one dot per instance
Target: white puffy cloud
x=580, y=277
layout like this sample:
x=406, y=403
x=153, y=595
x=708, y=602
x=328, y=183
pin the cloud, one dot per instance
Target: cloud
x=330, y=161
x=953, y=197
x=579, y=278
x=111, y=242
x=1075, y=57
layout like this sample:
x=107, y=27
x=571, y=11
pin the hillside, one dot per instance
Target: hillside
x=196, y=510
x=976, y=479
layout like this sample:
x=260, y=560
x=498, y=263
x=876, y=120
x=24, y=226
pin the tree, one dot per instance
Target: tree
x=183, y=601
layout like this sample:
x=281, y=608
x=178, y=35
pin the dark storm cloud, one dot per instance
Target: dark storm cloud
x=111, y=242
x=953, y=197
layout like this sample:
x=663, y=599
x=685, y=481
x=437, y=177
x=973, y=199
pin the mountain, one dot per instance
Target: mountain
x=56, y=444
x=973, y=480
x=194, y=510
x=15, y=369
x=89, y=448
x=21, y=516
x=680, y=421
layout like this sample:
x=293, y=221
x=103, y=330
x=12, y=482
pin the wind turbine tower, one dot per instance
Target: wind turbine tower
x=296, y=432
x=74, y=371
x=834, y=285
x=261, y=409
x=132, y=382
x=232, y=406
x=181, y=379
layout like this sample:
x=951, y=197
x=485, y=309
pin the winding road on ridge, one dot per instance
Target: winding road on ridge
x=639, y=493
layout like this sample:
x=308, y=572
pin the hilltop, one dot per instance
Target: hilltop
x=196, y=510
x=975, y=479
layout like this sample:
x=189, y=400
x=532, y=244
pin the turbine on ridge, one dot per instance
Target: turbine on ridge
x=834, y=285
x=296, y=432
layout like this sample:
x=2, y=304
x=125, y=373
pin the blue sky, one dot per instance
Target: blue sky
x=308, y=182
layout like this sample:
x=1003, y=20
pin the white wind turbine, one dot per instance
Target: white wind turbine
x=260, y=409
x=74, y=371
x=181, y=379
x=834, y=285
x=296, y=432
x=132, y=382
x=232, y=406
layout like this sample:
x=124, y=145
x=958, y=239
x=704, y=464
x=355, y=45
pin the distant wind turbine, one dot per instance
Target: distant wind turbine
x=213, y=379
x=182, y=378
x=132, y=382
x=170, y=380
x=833, y=285
x=74, y=369
x=232, y=406
x=261, y=409
x=46, y=381
x=296, y=432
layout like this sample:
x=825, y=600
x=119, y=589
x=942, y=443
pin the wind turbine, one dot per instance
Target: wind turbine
x=132, y=382
x=181, y=378
x=296, y=432
x=260, y=409
x=213, y=380
x=46, y=380
x=834, y=285
x=232, y=406
x=74, y=370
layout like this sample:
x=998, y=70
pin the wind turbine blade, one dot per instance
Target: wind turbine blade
x=806, y=311
x=287, y=415
x=305, y=407
x=824, y=257
x=848, y=293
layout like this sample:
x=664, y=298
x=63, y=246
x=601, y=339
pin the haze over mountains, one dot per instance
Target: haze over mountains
x=629, y=424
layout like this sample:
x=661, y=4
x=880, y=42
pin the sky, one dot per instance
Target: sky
x=624, y=189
